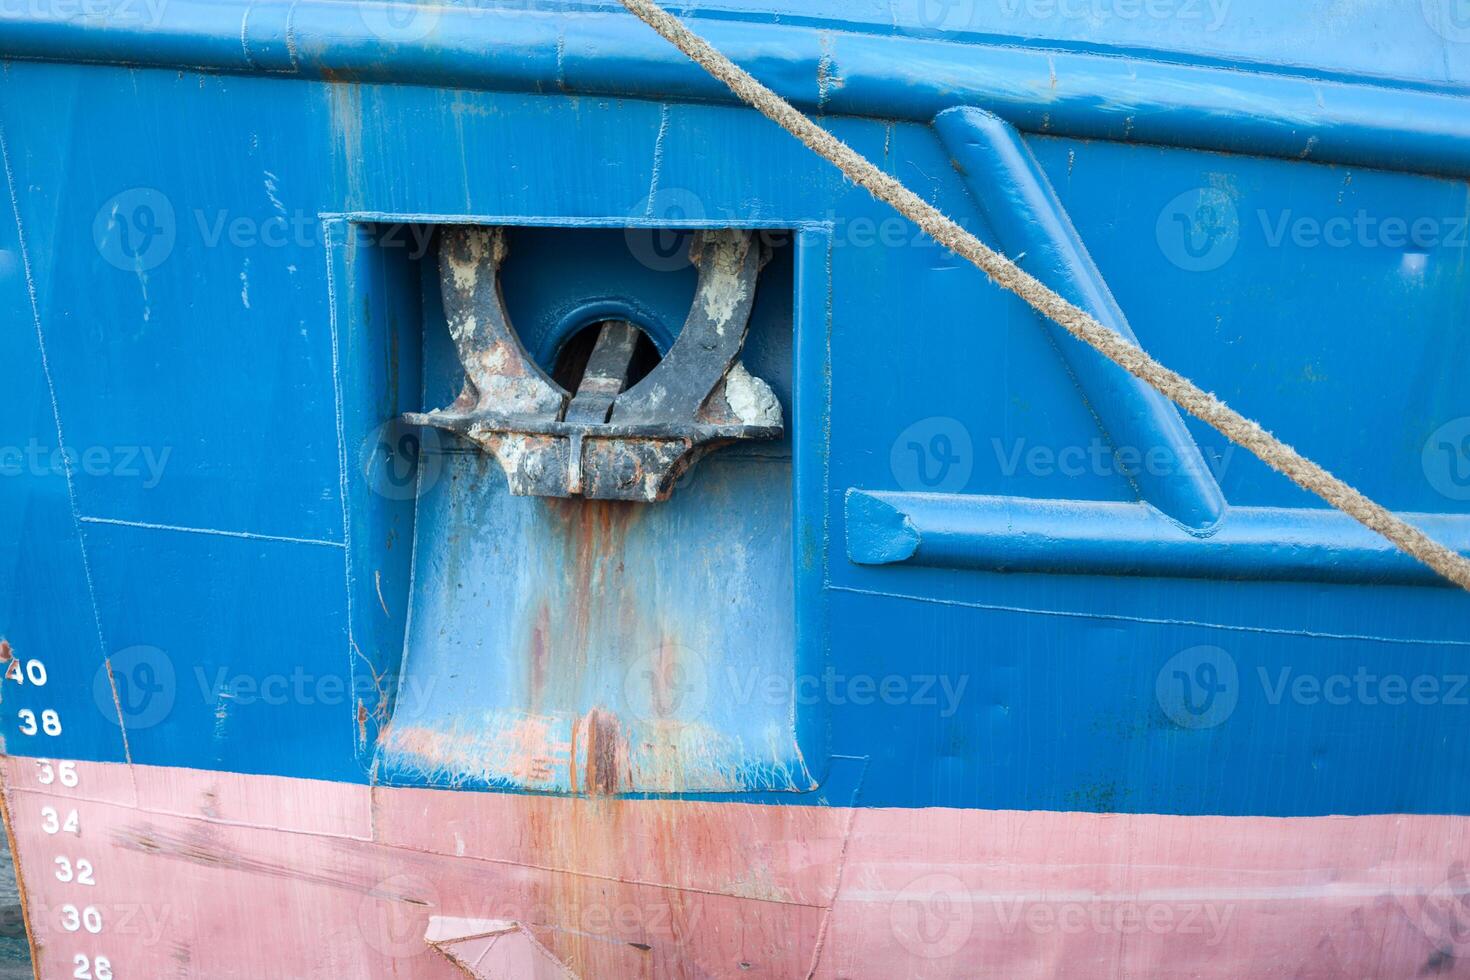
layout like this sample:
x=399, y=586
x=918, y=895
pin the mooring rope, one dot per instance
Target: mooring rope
x=1003, y=272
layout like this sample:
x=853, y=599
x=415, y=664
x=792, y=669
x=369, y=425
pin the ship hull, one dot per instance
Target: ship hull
x=220, y=875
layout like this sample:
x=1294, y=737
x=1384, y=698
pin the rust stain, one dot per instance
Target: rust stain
x=5, y=653
x=575, y=611
x=344, y=102
x=606, y=755
x=540, y=653
x=524, y=748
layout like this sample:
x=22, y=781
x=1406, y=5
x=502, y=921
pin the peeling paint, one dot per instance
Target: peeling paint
x=750, y=398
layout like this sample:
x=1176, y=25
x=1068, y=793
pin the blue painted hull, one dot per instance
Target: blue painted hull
x=978, y=571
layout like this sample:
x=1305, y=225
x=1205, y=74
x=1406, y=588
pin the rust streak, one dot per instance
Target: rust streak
x=603, y=751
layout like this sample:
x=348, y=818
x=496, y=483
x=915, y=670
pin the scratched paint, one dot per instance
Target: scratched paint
x=601, y=646
x=594, y=646
x=1027, y=806
x=382, y=882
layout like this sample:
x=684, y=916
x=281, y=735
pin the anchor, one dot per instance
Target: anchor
x=606, y=440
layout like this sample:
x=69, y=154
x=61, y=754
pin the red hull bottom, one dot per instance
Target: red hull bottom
x=215, y=875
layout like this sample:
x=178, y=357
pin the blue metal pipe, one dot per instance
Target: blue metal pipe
x=1016, y=534
x=1034, y=229
x=592, y=50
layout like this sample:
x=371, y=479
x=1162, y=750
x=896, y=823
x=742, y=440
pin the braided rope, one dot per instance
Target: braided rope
x=1129, y=356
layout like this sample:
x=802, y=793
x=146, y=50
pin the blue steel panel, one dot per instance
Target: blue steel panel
x=1382, y=38
x=1308, y=305
x=229, y=650
x=1046, y=89
x=1037, y=691
x=226, y=386
x=46, y=608
x=1085, y=713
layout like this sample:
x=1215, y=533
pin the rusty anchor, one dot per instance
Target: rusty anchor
x=606, y=440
